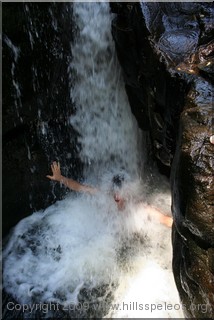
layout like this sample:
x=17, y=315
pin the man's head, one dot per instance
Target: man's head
x=117, y=181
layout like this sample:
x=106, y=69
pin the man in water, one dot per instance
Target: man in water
x=117, y=183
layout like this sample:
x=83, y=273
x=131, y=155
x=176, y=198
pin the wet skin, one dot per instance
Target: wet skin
x=119, y=201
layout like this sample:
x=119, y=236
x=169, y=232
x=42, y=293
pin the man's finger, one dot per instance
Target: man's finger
x=50, y=177
x=55, y=166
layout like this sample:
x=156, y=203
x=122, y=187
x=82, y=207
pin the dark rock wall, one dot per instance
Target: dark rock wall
x=166, y=52
x=193, y=234
x=36, y=105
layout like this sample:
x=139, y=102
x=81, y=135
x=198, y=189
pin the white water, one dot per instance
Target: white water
x=109, y=134
x=84, y=242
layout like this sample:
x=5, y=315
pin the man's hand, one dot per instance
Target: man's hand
x=70, y=183
x=55, y=167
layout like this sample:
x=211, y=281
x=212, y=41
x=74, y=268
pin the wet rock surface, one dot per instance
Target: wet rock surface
x=166, y=52
x=193, y=203
x=36, y=106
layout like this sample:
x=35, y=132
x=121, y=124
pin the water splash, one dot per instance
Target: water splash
x=16, y=86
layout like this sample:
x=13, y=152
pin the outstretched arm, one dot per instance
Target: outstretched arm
x=70, y=183
x=158, y=215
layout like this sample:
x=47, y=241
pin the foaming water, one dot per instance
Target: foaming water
x=52, y=254
x=146, y=287
x=83, y=242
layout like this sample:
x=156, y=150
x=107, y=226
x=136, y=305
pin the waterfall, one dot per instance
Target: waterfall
x=81, y=253
x=108, y=131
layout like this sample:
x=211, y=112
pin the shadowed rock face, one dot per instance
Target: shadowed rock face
x=193, y=203
x=36, y=105
x=166, y=52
